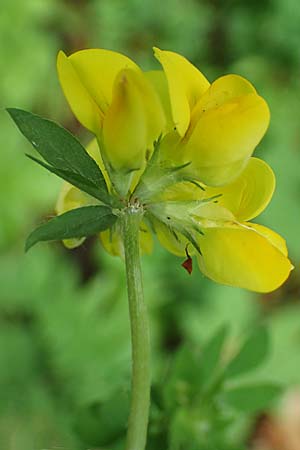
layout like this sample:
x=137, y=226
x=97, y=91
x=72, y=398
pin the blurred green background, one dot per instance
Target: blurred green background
x=64, y=331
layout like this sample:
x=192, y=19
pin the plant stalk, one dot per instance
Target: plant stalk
x=140, y=342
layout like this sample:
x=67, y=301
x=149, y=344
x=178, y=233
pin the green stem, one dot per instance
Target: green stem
x=140, y=384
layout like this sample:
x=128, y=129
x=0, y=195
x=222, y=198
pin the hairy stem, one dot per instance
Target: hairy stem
x=140, y=384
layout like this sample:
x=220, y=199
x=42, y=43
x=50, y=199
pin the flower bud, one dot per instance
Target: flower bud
x=132, y=123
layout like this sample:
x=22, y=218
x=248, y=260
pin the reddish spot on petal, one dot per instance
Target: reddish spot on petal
x=188, y=265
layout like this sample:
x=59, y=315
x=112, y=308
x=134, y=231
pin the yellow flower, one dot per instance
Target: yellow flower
x=180, y=148
x=218, y=125
x=113, y=99
x=234, y=251
x=71, y=197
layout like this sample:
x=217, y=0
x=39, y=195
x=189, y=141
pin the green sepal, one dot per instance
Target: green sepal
x=194, y=182
x=154, y=156
x=152, y=184
x=251, y=398
x=177, y=217
x=77, y=223
x=59, y=148
x=191, y=238
x=158, y=175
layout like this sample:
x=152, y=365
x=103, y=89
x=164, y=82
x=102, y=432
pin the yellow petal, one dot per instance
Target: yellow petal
x=81, y=102
x=153, y=106
x=94, y=151
x=249, y=194
x=146, y=239
x=159, y=81
x=245, y=198
x=167, y=149
x=238, y=255
x=71, y=198
x=182, y=191
x=87, y=79
x=112, y=241
x=186, y=85
x=225, y=130
x=271, y=235
x=173, y=242
x=222, y=91
x=211, y=214
x=125, y=125
x=133, y=121
x=97, y=69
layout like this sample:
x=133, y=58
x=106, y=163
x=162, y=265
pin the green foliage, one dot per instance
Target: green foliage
x=211, y=353
x=251, y=355
x=65, y=345
x=70, y=161
x=52, y=338
x=201, y=410
x=76, y=180
x=112, y=414
x=251, y=398
x=62, y=151
x=28, y=47
x=77, y=223
x=134, y=28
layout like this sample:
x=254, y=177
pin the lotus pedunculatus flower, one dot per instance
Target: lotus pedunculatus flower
x=171, y=155
x=180, y=148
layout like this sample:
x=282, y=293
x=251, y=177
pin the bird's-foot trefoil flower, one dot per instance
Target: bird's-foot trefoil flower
x=181, y=148
x=171, y=156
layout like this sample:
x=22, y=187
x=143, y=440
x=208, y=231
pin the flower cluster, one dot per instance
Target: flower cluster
x=180, y=149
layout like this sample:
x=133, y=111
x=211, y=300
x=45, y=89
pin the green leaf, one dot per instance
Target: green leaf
x=182, y=382
x=58, y=147
x=251, y=355
x=211, y=353
x=252, y=398
x=77, y=223
x=112, y=415
x=73, y=178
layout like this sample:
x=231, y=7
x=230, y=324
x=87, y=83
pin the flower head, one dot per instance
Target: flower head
x=179, y=148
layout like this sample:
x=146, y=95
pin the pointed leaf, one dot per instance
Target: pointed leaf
x=156, y=178
x=251, y=355
x=252, y=398
x=77, y=223
x=111, y=413
x=183, y=378
x=57, y=146
x=211, y=353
